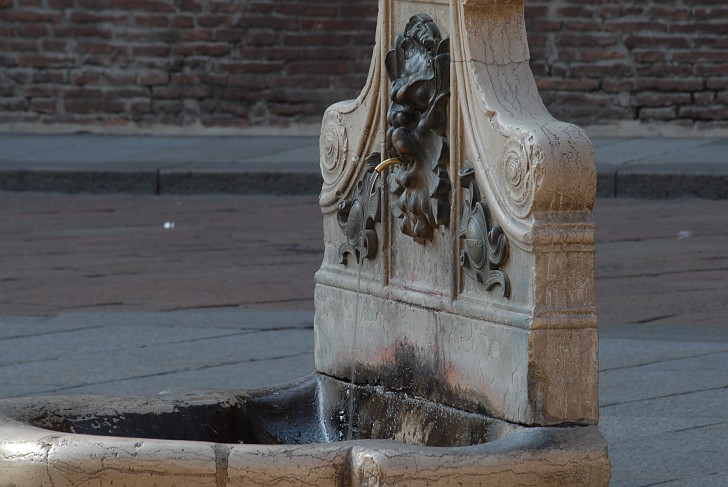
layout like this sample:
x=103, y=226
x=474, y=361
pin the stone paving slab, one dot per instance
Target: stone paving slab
x=627, y=167
x=97, y=297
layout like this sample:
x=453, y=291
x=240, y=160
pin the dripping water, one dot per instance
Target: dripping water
x=352, y=358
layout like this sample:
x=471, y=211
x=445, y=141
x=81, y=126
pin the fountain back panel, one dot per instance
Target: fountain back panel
x=477, y=265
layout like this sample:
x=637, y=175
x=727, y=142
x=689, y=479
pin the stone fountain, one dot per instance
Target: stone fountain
x=456, y=328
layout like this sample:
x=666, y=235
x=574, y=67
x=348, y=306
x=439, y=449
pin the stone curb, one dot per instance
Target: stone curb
x=647, y=184
x=660, y=184
x=161, y=182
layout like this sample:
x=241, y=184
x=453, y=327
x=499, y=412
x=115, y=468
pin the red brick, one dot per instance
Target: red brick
x=722, y=97
x=41, y=91
x=631, y=26
x=652, y=99
x=262, y=39
x=183, y=22
x=184, y=79
x=252, y=67
x=662, y=70
x=98, y=106
x=233, y=35
x=151, y=21
x=671, y=84
x=580, y=40
x=13, y=104
x=584, y=84
x=203, y=49
x=140, y=107
x=20, y=45
x=91, y=47
x=666, y=41
x=358, y=10
x=167, y=106
x=85, y=17
x=667, y=113
x=18, y=15
x=582, y=11
x=43, y=106
x=75, y=31
x=19, y=75
x=189, y=5
x=146, y=5
x=196, y=35
x=86, y=78
x=59, y=76
x=60, y=4
x=209, y=21
x=31, y=30
x=715, y=112
x=273, y=23
x=707, y=27
x=160, y=50
x=615, y=85
x=326, y=67
x=179, y=92
x=703, y=98
x=326, y=25
x=225, y=7
x=666, y=14
x=152, y=78
x=717, y=83
x=651, y=56
x=710, y=13
x=693, y=56
x=601, y=70
x=47, y=61
x=582, y=25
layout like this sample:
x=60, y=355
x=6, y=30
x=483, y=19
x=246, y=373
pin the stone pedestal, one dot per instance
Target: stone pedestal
x=512, y=334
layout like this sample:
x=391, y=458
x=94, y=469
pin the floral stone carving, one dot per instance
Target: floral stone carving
x=486, y=246
x=419, y=70
x=358, y=215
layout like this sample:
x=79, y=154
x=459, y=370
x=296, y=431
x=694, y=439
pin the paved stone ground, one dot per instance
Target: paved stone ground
x=66, y=253
x=96, y=296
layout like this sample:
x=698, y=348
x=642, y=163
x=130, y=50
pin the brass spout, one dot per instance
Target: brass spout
x=385, y=164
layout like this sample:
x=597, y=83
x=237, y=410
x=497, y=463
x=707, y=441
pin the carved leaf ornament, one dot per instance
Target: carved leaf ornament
x=419, y=71
x=357, y=216
x=486, y=246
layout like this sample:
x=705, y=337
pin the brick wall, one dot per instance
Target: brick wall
x=181, y=62
x=278, y=62
x=654, y=61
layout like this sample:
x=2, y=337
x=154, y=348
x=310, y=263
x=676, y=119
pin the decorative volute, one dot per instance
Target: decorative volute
x=480, y=291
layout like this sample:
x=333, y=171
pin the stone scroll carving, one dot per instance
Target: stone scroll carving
x=357, y=216
x=419, y=71
x=486, y=246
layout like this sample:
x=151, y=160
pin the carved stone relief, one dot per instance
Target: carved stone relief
x=486, y=246
x=521, y=174
x=419, y=71
x=358, y=215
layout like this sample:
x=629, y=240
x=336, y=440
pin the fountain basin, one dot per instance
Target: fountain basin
x=290, y=435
